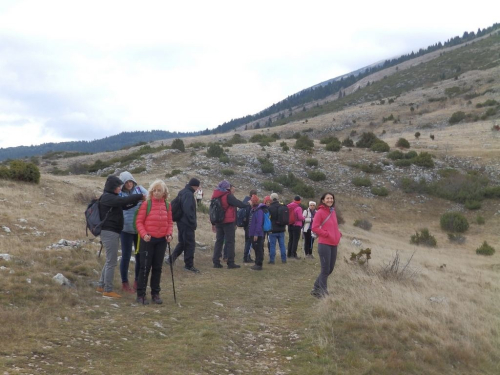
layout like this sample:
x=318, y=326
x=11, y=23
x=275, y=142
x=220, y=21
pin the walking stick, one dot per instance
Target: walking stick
x=171, y=271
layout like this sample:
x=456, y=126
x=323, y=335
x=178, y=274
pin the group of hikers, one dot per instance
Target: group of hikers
x=142, y=220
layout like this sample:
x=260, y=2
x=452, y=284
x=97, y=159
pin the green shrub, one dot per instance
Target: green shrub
x=380, y=146
x=454, y=222
x=237, y=139
x=403, y=163
x=366, y=140
x=381, y=191
x=348, y=142
x=367, y=168
x=304, y=143
x=492, y=192
x=480, y=220
x=267, y=167
x=316, y=176
x=285, y=148
x=402, y=143
x=456, y=238
x=272, y=186
x=197, y=145
x=456, y=117
x=361, y=181
x=287, y=180
x=424, y=159
x=311, y=162
x=334, y=146
x=178, y=144
x=215, y=151
x=485, y=249
x=303, y=190
x=296, y=135
x=227, y=172
x=396, y=155
x=138, y=170
x=410, y=155
x=224, y=159
x=174, y=172
x=423, y=238
x=98, y=165
x=472, y=204
x=363, y=224
x=21, y=171
x=330, y=139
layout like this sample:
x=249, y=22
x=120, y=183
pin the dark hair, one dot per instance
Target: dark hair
x=252, y=192
x=324, y=196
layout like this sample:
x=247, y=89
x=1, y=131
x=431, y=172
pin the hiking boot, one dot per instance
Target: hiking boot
x=113, y=295
x=99, y=289
x=142, y=300
x=296, y=257
x=247, y=260
x=135, y=286
x=126, y=288
x=233, y=266
x=192, y=269
x=256, y=268
x=218, y=265
x=156, y=299
x=270, y=262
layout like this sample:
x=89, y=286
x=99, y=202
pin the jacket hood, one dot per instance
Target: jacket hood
x=217, y=193
x=293, y=204
x=112, y=182
x=127, y=176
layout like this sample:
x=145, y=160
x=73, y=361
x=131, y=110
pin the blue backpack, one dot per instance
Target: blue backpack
x=266, y=226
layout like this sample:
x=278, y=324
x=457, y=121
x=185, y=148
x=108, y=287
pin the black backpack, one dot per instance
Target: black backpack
x=282, y=217
x=242, y=217
x=176, y=208
x=93, y=218
x=216, y=211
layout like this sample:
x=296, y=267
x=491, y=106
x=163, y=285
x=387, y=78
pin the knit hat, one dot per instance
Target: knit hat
x=223, y=185
x=194, y=182
x=297, y=198
x=267, y=198
x=254, y=200
x=311, y=202
x=274, y=196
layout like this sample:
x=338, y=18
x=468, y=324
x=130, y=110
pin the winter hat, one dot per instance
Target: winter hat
x=254, y=200
x=112, y=182
x=311, y=202
x=223, y=185
x=297, y=198
x=274, y=196
x=267, y=198
x=194, y=182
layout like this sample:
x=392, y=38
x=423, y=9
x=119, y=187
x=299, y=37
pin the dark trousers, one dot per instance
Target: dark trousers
x=248, y=245
x=328, y=256
x=127, y=239
x=293, y=240
x=259, y=250
x=151, y=254
x=224, y=233
x=308, y=242
x=186, y=243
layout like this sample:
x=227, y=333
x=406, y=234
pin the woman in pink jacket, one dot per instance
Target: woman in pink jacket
x=154, y=225
x=326, y=228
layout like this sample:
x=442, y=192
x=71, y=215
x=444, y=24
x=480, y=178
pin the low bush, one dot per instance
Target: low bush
x=403, y=163
x=485, y=249
x=272, y=186
x=138, y=170
x=227, y=172
x=303, y=190
x=178, y=144
x=472, y=204
x=361, y=181
x=456, y=117
x=330, y=139
x=454, y=222
x=366, y=140
x=19, y=170
x=348, y=142
x=480, y=220
x=424, y=159
x=215, y=151
x=456, y=238
x=380, y=146
x=334, y=146
x=174, y=172
x=363, y=224
x=310, y=162
x=381, y=191
x=402, y=143
x=423, y=238
x=224, y=159
x=304, y=143
x=316, y=176
x=287, y=180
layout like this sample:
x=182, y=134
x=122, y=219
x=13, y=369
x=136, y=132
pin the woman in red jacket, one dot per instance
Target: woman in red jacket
x=326, y=228
x=154, y=225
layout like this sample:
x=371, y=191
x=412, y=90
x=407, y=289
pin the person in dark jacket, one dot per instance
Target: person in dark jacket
x=256, y=231
x=225, y=231
x=277, y=231
x=113, y=204
x=247, y=258
x=186, y=226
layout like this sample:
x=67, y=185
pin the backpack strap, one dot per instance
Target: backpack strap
x=148, y=210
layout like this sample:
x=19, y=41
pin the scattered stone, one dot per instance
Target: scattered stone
x=438, y=299
x=61, y=280
x=356, y=242
x=5, y=257
x=218, y=304
x=6, y=229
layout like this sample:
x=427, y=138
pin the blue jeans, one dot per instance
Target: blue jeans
x=280, y=236
x=127, y=239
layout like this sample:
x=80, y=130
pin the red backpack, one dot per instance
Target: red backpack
x=291, y=216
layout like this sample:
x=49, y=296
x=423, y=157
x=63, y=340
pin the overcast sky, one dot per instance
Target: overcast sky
x=84, y=70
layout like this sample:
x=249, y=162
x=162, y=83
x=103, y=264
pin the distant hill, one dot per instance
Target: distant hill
x=112, y=143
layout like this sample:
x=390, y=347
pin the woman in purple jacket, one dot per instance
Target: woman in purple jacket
x=256, y=231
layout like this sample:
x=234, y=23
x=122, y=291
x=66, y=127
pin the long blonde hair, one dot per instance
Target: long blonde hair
x=158, y=184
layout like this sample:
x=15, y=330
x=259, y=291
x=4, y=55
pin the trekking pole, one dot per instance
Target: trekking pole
x=171, y=270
